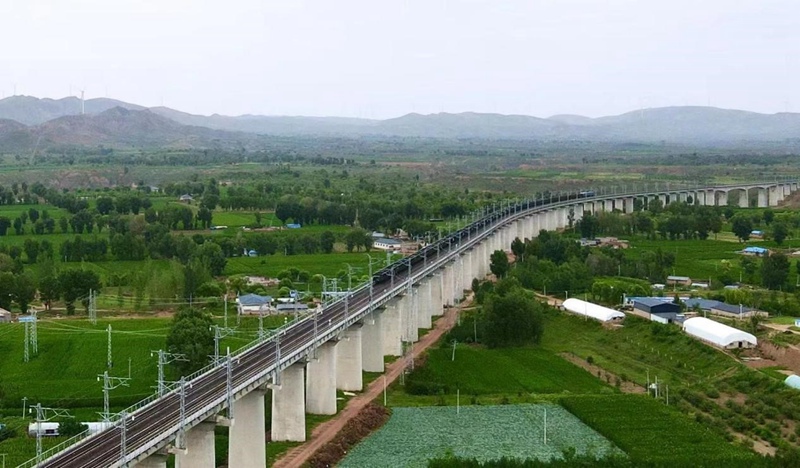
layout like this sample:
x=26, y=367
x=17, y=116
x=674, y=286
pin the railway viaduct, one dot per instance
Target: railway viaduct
x=305, y=362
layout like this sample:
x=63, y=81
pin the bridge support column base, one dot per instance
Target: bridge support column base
x=289, y=406
x=372, y=342
x=247, y=444
x=392, y=334
x=199, y=452
x=321, y=380
x=348, y=360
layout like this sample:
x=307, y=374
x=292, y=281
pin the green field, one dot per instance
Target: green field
x=325, y=264
x=649, y=431
x=636, y=348
x=479, y=371
x=414, y=435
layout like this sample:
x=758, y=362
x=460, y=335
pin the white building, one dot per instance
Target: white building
x=253, y=304
x=718, y=334
x=593, y=311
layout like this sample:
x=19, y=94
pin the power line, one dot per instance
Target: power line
x=165, y=358
x=43, y=415
x=110, y=383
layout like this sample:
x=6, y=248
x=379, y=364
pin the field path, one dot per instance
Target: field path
x=326, y=431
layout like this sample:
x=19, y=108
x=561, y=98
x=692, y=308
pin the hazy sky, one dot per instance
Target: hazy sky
x=384, y=58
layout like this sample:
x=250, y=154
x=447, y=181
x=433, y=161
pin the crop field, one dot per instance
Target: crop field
x=479, y=371
x=412, y=436
x=636, y=348
x=649, y=431
x=325, y=264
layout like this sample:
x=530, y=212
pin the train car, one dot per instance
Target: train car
x=50, y=429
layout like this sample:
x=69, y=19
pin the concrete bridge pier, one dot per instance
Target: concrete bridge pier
x=413, y=322
x=436, y=294
x=405, y=306
x=722, y=198
x=588, y=207
x=424, y=305
x=289, y=406
x=454, y=282
x=247, y=441
x=482, y=258
x=156, y=460
x=372, y=342
x=774, y=196
x=199, y=451
x=468, y=269
x=629, y=205
x=447, y=295
x=348, y=362
x=321, y=381
x=762, y=197
x=520, y=225
x=392, y=329
x=744, y=199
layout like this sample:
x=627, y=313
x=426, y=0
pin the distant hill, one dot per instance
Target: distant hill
x=118, y=128
x=33, y=111
x=59, y=121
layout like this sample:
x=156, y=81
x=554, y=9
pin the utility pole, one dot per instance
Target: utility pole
x=110, y=383
x=229, y=382
x=165, y=358
x=109, y=358
x=92, y=307
x=181, y=439
x=222, y=332
x=26, y=354
x=44, y=414
x=123, y=436
x=34, y=335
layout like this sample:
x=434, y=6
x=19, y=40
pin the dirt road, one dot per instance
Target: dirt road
x=326, y=431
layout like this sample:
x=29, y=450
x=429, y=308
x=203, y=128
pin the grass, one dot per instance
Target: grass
x=637, y=348
x=649, y=431
x=698, y=259
x=325, y=264
x=480, y=371
x=412, y=436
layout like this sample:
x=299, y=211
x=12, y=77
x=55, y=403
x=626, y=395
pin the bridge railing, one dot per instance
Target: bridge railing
x=74, y=440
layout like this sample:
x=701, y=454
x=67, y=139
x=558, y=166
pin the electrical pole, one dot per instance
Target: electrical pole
x=222, y=332
x=165, y=358
x=123, y=436
x=229, y=382
x=43, y=415
x=109, y=359
x=34, y=335
x=181, y=439
x=92, y=307
x=26, y=354
x=110, y=383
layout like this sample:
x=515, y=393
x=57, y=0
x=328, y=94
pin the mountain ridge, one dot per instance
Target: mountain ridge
x=112, y=122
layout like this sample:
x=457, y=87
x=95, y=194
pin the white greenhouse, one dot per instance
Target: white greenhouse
x=718, y=334
x=597, y=312
x=793, y=381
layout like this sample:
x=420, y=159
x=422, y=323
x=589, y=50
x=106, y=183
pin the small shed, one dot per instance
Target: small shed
x=657, y=306
x=718, y=334
x=5, y=316
x=186, y=198
x=679, y=280
x=594, y=311
x=793, y=381
x=757, y=251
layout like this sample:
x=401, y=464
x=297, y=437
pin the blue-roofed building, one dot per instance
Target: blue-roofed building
x=757, y=251
x=293, y=226
x=253, y=304
x=656, y=306
x=700, y=303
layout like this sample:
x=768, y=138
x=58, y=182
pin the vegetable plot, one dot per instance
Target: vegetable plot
x=414, y=435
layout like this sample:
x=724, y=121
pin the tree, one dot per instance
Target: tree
x=49, y=289
x=33, y=214
x=742, y=226
x=512, y=317
x=499, y=263
x=774, y=270
x=24, y=290
x=355, y=239
x=76, y=284
x=517, y=248
x=6, y=289
x=191, y=335
x=326, y=241
x=195, y=273
x=588, y=226
x=779, y=232
x=768, y=215
x=5, y=223
x=105, y=205
x=31, y=247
